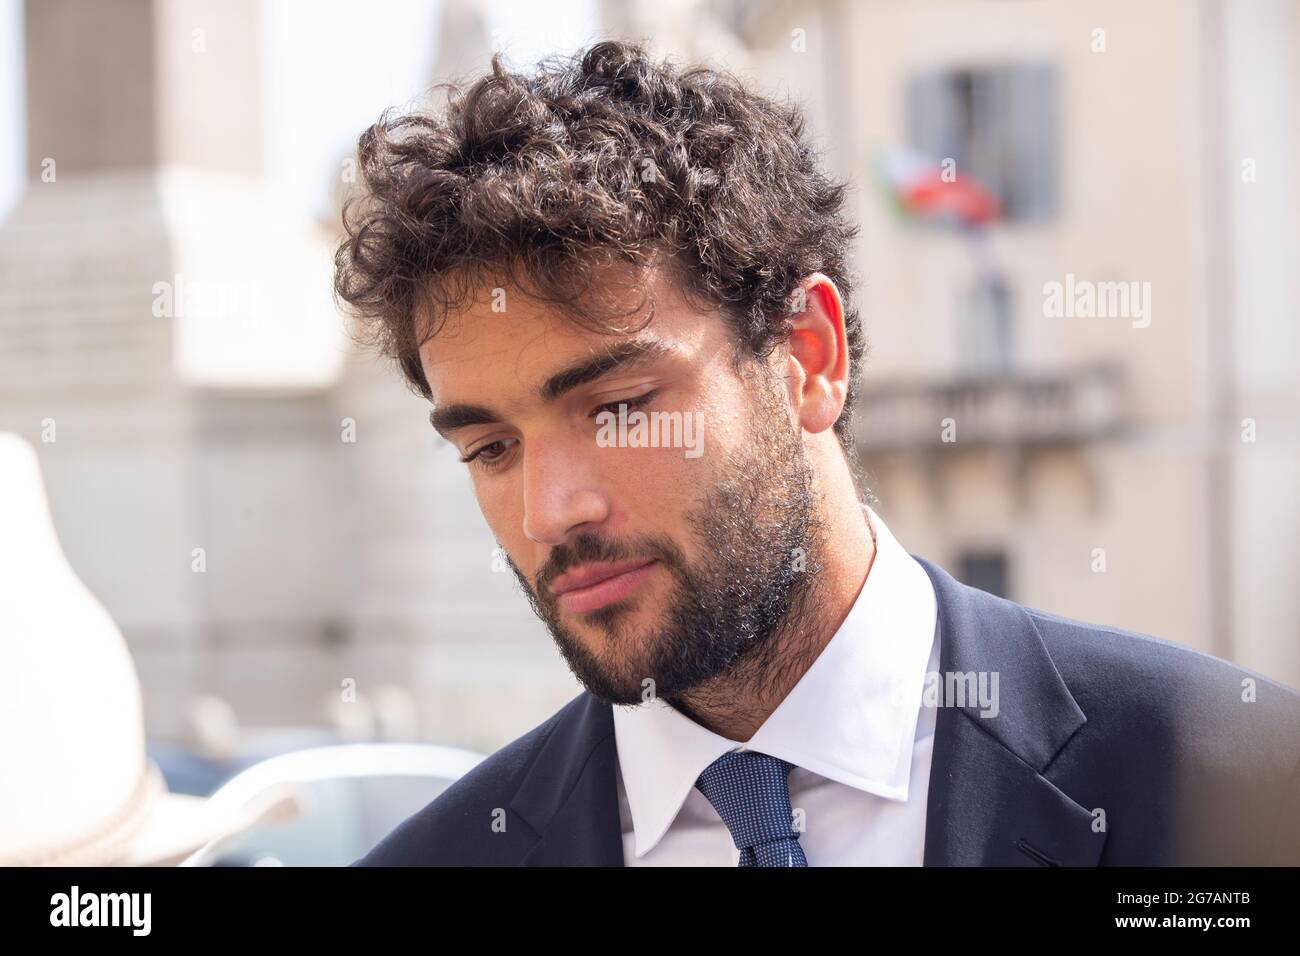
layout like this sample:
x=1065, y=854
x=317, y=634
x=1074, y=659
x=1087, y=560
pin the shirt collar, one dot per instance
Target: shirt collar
x=852, y=717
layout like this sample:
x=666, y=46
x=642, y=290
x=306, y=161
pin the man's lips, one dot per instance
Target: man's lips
x=595, y=585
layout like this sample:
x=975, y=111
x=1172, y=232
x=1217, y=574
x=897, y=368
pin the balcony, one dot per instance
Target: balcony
x=1013, y=411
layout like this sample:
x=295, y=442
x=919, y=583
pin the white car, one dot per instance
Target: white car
x=336, y=802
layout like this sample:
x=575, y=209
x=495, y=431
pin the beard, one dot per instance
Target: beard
x=757, y=531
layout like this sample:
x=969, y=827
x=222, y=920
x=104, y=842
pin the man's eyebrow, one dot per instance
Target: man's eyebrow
x=632, y=352
x=448, y=418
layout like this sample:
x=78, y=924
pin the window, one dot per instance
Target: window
x=999, y=124
x=986, y=570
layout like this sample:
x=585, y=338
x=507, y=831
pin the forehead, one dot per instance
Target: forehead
x=506, y=341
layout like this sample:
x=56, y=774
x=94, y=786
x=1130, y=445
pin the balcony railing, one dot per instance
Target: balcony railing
x=1013, y=410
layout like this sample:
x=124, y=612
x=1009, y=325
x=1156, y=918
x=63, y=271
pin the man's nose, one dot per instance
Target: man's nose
x=560, y=495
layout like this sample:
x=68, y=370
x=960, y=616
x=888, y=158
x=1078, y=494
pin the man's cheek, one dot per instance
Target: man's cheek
x=501, y=503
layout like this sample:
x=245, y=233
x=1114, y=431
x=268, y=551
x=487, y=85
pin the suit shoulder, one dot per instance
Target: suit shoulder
x=441, y=832
x=1184, y=747
x=1198, y=703
x=1112, y=654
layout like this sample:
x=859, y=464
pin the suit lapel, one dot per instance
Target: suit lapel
x=569, y=796
x=988, y=802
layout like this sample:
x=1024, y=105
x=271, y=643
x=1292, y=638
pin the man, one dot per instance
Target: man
x=623, y=287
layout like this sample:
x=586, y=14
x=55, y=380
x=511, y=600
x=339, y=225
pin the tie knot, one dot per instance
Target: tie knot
x=750, y=791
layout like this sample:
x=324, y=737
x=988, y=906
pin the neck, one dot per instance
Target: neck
x=735, y=704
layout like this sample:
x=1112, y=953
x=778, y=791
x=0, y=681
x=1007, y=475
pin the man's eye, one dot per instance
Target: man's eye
x=631, y=403
x=490, y=455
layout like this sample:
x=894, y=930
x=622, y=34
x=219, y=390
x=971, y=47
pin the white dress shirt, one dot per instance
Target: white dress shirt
x=853, y=726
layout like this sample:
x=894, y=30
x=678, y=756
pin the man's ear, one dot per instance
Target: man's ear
x=818, y=364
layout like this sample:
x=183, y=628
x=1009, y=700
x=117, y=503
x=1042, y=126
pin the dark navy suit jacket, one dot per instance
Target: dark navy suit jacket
x=1108, y=748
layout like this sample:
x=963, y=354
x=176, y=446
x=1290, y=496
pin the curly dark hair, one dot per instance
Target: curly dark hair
x=602, y=158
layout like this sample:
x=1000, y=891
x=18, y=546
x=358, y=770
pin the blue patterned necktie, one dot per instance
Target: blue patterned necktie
x=751, y=793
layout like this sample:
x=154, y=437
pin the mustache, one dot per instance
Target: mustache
x=588, y=548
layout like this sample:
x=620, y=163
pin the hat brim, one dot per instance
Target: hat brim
x=181, y=825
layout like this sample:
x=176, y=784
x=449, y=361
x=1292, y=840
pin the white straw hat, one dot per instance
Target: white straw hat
x=78, y=788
